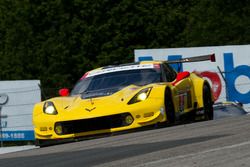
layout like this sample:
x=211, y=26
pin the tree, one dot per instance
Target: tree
x=212, y=22
x=57, y=41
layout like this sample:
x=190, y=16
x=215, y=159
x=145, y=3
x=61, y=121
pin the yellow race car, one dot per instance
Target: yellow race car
x=122, y=97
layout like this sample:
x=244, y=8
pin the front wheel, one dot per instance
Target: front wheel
x=169, y=107
x=45, y=143
x=207, y=103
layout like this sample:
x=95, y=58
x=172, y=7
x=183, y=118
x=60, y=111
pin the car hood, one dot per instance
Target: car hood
x=75, y=107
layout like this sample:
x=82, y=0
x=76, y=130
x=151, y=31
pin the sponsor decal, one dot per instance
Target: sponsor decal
x=17, y=135
x=231, y=74
x=3, y=100
x=181, y=102
x=215, y=80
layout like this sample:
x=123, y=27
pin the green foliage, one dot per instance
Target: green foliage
x=57, y=41
x=212, y=22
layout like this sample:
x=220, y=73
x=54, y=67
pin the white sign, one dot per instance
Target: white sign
x=234, y=62
x=17, y=99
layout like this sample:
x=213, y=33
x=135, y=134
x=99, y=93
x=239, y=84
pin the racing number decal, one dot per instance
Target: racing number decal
x=181, y=102
x=184, y=97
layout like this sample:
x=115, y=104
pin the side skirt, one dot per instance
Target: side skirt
x=194, y=115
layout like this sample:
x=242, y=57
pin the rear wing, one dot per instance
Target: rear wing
x=210, y=57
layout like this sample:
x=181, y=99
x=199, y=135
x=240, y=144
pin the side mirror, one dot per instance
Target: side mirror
x=180, y=76
x=64, y=92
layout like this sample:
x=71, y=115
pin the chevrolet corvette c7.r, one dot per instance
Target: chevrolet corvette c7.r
x=122, y=97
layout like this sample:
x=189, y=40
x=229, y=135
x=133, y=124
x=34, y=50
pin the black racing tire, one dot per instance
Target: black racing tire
x=45, y=143
x=42, y=143
x=207, y=103
x=38, y=143
x=169, y=107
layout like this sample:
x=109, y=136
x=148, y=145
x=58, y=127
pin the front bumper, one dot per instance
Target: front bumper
x=53, y=128
x=93, y=124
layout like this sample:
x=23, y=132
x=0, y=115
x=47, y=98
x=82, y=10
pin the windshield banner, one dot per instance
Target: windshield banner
x=119, y=68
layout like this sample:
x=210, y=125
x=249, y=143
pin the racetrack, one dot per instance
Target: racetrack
x=224, y=142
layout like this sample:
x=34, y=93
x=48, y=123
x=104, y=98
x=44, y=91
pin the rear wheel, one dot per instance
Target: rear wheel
x=207, y=103
x=169, y=107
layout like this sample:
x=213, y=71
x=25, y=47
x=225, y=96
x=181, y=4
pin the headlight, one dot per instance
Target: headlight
x=49, y=108
x=140, y=96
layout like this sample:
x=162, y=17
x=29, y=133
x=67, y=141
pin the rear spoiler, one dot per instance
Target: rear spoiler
x=210, y=57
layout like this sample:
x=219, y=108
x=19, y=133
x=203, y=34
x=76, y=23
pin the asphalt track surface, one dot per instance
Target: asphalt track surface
x=224, y=143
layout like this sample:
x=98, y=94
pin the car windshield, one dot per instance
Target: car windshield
x=109, y=83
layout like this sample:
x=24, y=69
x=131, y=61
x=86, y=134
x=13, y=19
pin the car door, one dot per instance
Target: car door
x=182, y=90
x=183, y=95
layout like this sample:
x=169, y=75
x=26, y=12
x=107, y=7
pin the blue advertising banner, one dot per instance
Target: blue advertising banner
x=17, y=135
